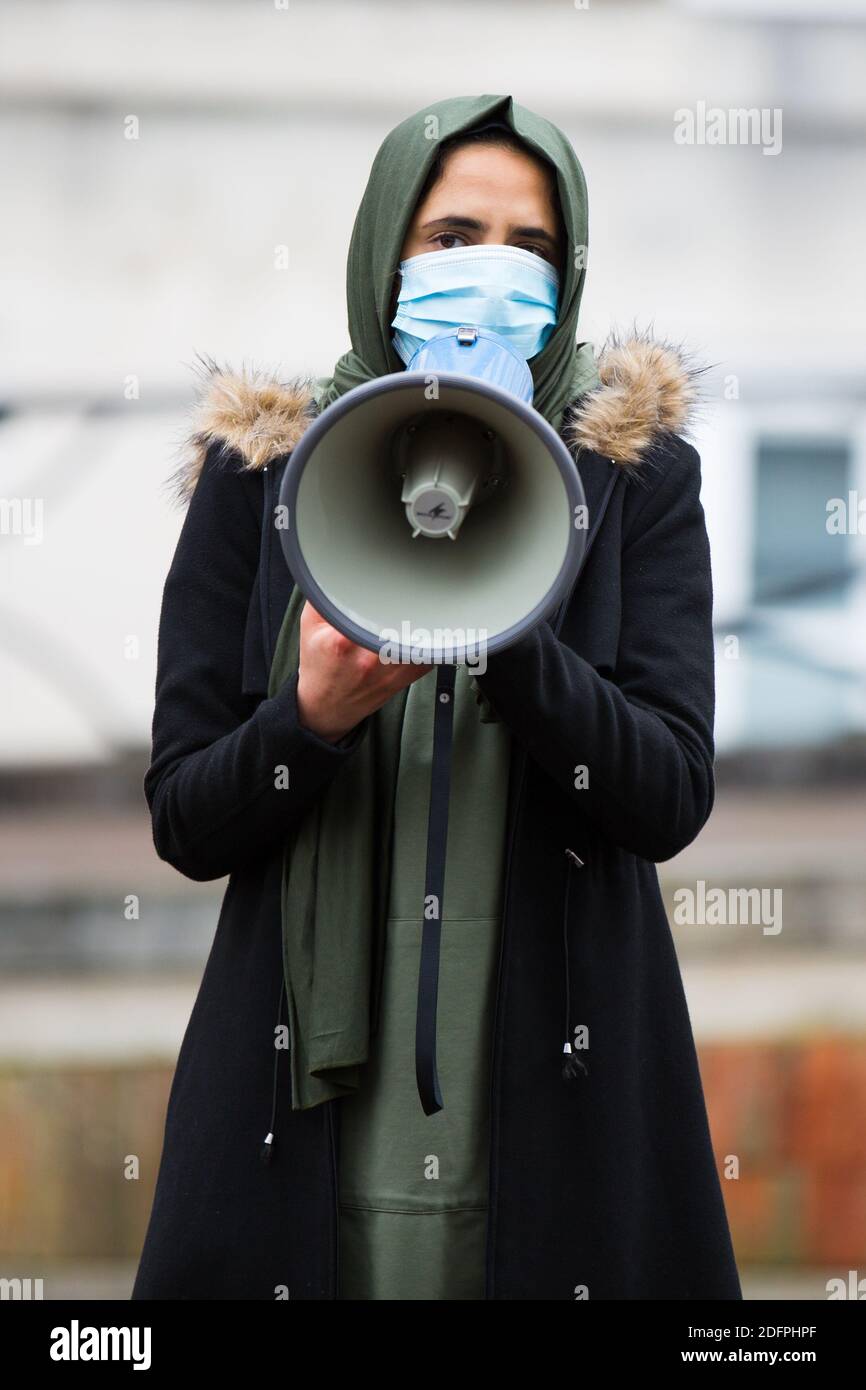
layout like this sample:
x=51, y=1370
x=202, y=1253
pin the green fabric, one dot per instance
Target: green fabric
x=335, y=881
x=563, y=369
x=414, y=1188
x=334, y=890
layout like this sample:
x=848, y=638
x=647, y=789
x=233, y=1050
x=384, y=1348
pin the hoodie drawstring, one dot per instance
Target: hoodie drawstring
x=572, y=1064
x=267, y=1148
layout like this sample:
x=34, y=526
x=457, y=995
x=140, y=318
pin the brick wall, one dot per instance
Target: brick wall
x=792, y=1115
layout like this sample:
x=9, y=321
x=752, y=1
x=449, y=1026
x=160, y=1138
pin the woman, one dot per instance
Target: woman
x=587, y=758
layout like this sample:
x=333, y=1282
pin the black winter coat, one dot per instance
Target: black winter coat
x=604, y=1186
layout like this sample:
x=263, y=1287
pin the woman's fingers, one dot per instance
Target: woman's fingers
x=340, y=682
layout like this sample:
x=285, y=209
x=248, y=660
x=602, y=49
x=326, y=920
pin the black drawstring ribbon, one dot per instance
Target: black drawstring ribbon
x=426, y=1071
x=267, y=1149
x=572, y=1064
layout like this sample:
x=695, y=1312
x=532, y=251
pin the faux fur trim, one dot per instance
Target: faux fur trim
x=249, y=413
x=648, y=389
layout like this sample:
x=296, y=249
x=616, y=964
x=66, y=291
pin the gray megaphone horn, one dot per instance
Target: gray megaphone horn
x=432, y=513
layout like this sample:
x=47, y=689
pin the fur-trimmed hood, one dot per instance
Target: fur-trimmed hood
x=647, y=388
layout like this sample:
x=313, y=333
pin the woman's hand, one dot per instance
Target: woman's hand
x=340, y=683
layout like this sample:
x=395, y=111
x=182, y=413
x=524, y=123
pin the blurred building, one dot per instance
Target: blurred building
x=181, y=179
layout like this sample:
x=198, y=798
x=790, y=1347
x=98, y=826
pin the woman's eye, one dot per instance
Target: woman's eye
x=536, y=251
x=446, y=240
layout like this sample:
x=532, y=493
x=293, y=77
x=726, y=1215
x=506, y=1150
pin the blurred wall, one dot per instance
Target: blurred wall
x=160, y=162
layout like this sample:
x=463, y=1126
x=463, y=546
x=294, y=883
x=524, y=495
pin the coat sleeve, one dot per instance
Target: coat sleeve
x=646, y=735
x=212, y=785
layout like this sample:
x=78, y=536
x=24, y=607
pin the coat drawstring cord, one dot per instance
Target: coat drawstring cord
x=267, y=1149
x=572, y=1062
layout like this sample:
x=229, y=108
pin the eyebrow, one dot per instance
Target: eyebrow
x=473, y=224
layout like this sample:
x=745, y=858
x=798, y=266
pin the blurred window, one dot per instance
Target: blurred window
x=800, y=681
x=795, y=556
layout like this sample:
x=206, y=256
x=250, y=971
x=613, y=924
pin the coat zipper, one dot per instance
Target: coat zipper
x=494, y=1061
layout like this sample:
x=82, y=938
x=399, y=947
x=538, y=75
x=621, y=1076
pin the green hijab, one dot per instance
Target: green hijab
x=564, y=368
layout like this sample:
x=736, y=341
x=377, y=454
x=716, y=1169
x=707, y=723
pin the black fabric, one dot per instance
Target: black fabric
x=426, y=1073
x=608, y=1182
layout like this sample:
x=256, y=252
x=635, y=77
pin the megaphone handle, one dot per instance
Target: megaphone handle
x=434, y=887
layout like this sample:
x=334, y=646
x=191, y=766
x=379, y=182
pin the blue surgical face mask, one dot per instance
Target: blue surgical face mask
x=508, y=290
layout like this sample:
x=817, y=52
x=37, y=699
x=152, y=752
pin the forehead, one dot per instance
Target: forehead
x=483, y=173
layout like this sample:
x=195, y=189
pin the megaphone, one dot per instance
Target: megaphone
x=433, y=516
x=432, y=512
